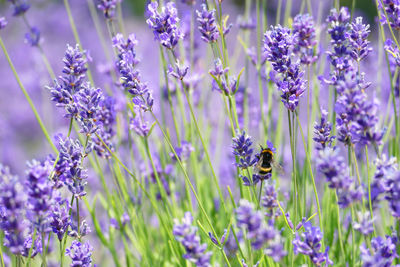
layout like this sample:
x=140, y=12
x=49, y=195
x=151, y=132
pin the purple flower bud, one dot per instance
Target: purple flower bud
x=19, y=7
x=383, y=252
x=213, y=239
x=322, y=132
x=180, y=71
x=164, y=24
x=208, y=28
x=304, y=30
x=242, y=149
x=359, y=44
x=80, y=254
x=33, y=37
x=3, y=23
x=108, y=7
x=364, y=224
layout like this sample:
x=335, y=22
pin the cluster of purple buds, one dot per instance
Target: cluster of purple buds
x=332, y=165
x=382, y=253
x=65, y=91
x=69, y=170
x=106, y=117
x=108, y=8
x=80, y=232
x=392, y=193
x=19, y=7
x=39, y=189
x=269, y=200
x=242, y=149
x=180, y=72
x=60, y=218
x=80, y=254
x=183, y=152
x=139, y=126
x=12, y=204
x=186, y=234
x=339, y=57
x=221, y=82
x=309, y=243
x=207, y=25
x=385, y=168
x=252, y=222
x=278, y=47
x=356, y=116
x=322, y=132
x=33, y=37
x=130, y=78
x=164, y=24
x=3, y=23
x=391, y=8
x=89, y=104
x=364, y=224
x=304, y=30
x=393, y=51
x=359, y=45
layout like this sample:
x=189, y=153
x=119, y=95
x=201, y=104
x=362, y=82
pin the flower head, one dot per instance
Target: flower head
x=164, y=24
x=242, y=148
x=33, y=37
x=309, y=243
x=108, y=7
x=359, y=45
x=19, y=7
x=208, y=27
x=185, y=233
x=3, y=23
x=80, y=254
x=383, y=252
x=322, y=132
x=304, y=30
x=278, y=47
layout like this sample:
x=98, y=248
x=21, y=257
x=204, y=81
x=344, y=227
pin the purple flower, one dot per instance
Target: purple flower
x=19, y=7
x=208, y=28
x=309, y=243
x=339, y=57
x=252, y=222
x=105, y=116
x=383, y=252
x=180, y=72
x=80, y=254
x=392, y=191
x=218, y=70
x=89, y=99
x=40, y=191
x=140, y=126
x=130, y=78
x=359, y=45
x=108, y=7
x=364, y=224
x=393, y=51
x=33, y=37
x=249, y=24
x=335, y=170
x=183, y=152
x=185, y=233
x=304, y=30
x=69, y=169
x=269, y=199
x=60, y=219
x=164, y=24
x=322, y=132
x=385, y=168
x=12, y=204
x=3, y=23
x=242, y=149
x=392, y=8
x=278, y=47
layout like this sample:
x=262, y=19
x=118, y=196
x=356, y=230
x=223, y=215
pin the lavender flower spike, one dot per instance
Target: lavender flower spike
x=164, y=24
x=322, y=132
x=208, y=28
x=242, y=148
x=309, y=243
x=80, y=254
x=20, y=7
x=3, y=23
x=108, y=7
x=185, y=233
x=359, y=45
x=304, y=30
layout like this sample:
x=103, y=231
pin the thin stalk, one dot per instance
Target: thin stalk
x=76, y=36
x=28, y=98
x=30, y=250
x=312, y=176
x=369, y=189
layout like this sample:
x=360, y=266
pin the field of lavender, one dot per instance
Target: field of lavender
x=200, y=133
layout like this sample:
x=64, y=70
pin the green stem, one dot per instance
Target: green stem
x=39, y=120
x=369, y=189
x=30, y=249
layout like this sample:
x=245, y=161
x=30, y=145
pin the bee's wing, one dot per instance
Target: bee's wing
x=277, y=167
x=258, y=164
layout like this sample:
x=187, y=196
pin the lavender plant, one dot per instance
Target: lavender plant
x=154, y=117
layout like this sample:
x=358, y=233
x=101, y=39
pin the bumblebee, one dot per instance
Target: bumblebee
x=266, y=162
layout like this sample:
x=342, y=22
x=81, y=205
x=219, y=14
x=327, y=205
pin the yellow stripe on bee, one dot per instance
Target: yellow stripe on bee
x=265, y=169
